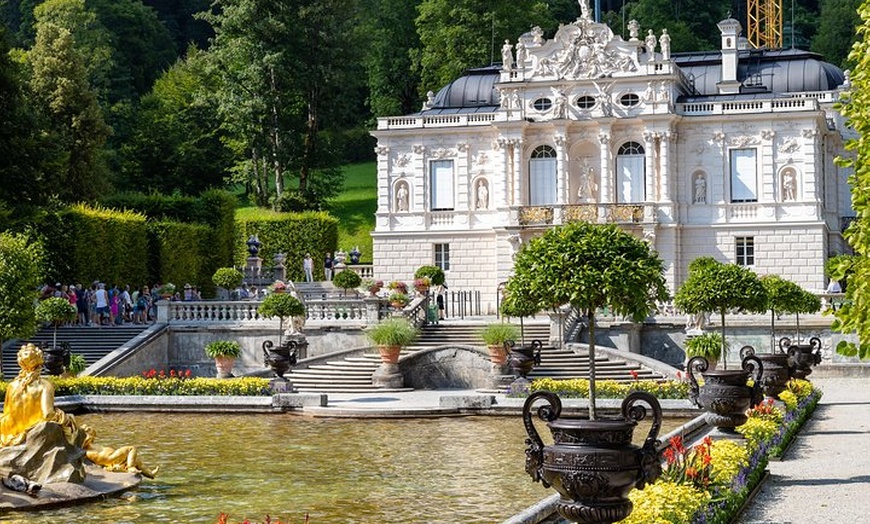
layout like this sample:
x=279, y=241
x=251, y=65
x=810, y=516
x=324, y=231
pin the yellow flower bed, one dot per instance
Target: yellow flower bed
x=247, y=386
x=665, y=503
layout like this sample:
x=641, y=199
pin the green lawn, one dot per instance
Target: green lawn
x=354, y=207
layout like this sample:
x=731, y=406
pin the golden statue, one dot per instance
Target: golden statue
x=125, y=458
x=30, y=400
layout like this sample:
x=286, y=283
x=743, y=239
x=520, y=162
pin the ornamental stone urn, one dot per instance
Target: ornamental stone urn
x=56, y=358
x=280, y=358
x=775, y=374
x=523, y=358
x=592, y=463
x=725, y=395
x=802, y=356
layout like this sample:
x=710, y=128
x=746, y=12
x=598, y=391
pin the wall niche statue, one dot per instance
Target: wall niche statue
x=402, y=197
x=789, y=185
x=482, y=193
x=700, y=194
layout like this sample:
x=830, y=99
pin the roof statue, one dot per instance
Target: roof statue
x=581, y=50
x=584, y=9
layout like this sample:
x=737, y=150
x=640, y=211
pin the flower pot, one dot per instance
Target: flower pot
x=389, y=354
x=802, y=357
x=497, y=354
x=224, y=366
x=776, y=373
x=524, y=358
x=279, y=358
x=592, y=463
x=56, y=359
x=725, y=396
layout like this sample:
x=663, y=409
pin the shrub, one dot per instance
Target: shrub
x=281, y=305
x=434, y=273
x=497, y=333
x=392, y=332
x=77, y=364
x=708, y=345
x=21, y=260
x=228, y=278
x=223, y=348
x=347, y=279
x=55, y=310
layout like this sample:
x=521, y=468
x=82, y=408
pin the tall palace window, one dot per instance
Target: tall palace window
x=744, y=175
x=441, y=185
x=630, y=173
x=542, y=176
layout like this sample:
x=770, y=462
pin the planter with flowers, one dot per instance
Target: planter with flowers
x=422, y=285
x=224, y=353
x=398, y=300
x=166, y=290
x=373, y=286
x=495, y=335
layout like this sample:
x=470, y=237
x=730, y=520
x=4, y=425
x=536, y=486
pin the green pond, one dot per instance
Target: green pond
x=437, y=470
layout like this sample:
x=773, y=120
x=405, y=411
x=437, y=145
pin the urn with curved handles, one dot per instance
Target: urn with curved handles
x=802, y=356
x=592, y=463
x=776, y=372
x=725, y=395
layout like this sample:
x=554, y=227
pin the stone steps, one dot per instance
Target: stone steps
x=353, y=374
x=91, y=342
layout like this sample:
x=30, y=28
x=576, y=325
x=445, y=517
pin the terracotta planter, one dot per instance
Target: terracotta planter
x=592, y=463
x=497, y=354
x=224, y=366
x=389, y=354
x=725, y=396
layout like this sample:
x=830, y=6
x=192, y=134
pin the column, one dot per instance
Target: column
x=517, y=145
x=606, y=182
x=561, y=170
x=649, y=165
x=668, y=138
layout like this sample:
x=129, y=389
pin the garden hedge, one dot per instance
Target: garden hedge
x=182, y=254
x=293, y=234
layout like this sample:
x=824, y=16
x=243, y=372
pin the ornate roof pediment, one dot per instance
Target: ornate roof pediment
x=581, y=50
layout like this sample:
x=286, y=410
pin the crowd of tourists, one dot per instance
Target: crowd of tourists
x=105, y=305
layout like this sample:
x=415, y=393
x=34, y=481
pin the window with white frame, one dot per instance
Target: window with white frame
x=441, y=185
x=631, y=173
x=744, y=175
x=442, y=256
x=542, y=176
x=745, y=253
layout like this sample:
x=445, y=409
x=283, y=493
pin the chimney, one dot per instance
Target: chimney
x=730, y=29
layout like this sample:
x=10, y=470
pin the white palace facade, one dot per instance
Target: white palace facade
x=729, y=153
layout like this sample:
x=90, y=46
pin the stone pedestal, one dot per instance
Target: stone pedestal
x=280, y=385
x=45, y=456
x=499, y=381
x=388, y=376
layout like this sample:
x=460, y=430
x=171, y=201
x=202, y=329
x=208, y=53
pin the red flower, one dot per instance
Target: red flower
x=187, y=373
x=633, y=374
x=172, y=373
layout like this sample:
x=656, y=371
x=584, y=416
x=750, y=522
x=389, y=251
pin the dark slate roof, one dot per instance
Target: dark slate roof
x=764, y=73
x=777, y=71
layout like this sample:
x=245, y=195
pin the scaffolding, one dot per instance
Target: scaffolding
x=764, y=21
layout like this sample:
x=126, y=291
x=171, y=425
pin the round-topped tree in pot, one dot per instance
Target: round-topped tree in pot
x=224, y=353
x=228, y=279
x=56, y=311
x=284, y=306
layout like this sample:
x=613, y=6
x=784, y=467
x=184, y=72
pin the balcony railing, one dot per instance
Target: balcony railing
x=609, y=213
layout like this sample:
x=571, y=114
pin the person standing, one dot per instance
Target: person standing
x=308, y=267
x=327, y=267
x=440, y=292
x=102, y=303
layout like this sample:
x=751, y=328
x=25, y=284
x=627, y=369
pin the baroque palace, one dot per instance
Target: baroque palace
x=727, y=153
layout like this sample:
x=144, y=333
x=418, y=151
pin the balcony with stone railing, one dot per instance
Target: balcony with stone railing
x=530, y=216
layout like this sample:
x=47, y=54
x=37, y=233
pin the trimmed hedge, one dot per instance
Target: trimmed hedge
x=180, y=253
x=293, y=234
x=92, y=243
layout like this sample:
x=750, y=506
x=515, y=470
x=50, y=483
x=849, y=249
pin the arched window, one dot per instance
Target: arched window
x=542, y=176
x=630, y=173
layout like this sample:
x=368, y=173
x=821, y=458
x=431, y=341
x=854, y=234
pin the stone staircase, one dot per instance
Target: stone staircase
x=353, y=375
x=91, y=342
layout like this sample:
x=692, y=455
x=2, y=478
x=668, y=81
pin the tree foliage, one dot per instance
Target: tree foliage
x=20, y=276
x=719, y=287
x=854, y=315
x=837, y=23
x=587, y=266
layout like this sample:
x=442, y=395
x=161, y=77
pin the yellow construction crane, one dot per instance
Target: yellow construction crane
x=764, y=20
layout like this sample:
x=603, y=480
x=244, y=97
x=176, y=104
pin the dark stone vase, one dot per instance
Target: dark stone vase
x=776, y=373
x=725, y=396
x=592, y=463
x=56, y=358
x=802, y=356
x=523, y=358
x=279, y=358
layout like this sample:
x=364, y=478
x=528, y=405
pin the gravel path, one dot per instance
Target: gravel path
x=824, y=477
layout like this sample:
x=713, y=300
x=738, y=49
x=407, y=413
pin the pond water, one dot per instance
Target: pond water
x=439, y=470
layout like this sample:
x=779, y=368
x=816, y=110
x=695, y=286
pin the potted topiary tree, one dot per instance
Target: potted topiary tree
x=56, y=310
x=494, y=336
x=434, y=273
x=347, y=279
x=224, y=353
x=228, y=278
x=281, y=305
